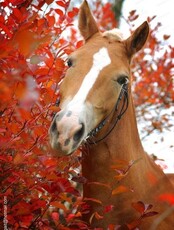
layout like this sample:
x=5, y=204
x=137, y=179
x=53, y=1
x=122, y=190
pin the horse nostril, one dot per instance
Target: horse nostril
x=79, y=133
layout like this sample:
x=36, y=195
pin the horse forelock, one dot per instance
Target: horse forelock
x=114, y=34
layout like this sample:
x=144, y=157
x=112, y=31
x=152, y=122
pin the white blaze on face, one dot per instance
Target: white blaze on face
x=100, y=60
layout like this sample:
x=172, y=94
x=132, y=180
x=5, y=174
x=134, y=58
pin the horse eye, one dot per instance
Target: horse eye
x=69, y=63
x=123, y=80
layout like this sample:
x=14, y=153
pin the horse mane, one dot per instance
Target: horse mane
x=114, y=35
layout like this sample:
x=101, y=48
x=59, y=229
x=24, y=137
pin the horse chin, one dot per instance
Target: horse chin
x=62, y=151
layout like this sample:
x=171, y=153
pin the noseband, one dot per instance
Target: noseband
x=123, y=94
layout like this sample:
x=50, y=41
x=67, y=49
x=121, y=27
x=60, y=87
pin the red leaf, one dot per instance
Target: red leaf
x=58, y=205
x=17, y=13
x=98, y=216
x=93, y=200
x=79, y=179
x=139, y=206
x=3, y=130
x=55, y=216
x=24, y=114
x=49, y=1
x=5, y=158
x=132, y=13
x=17, y=2
x=166, y=37
x=133, y=16
x=108, y=208
x=71, y=14
x=68, y=51
x=120, y=189
x=73, y=191
x=112, y=227
x=79, y=44
x=100, y=184
x=18, y=159
x=149, y=214
x=168, y=197
x=22, y=209
x=72, y=216
x=2, y=20
x=26, y=41
x=20, y=90
x=26, y=220
x=48, y=162
x=59, y=12
x=44, y=77
x=55, y=108
x=51, y=20
x=37, y=204
x=60, y=65
x=6, y=30
x=134, y=224
x=76, y=10
x=61, y=3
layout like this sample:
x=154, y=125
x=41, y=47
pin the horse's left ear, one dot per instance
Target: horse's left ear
x=137, y=40
x=87, y=24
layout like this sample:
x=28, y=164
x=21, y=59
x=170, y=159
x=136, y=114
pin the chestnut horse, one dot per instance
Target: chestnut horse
x=97, y=109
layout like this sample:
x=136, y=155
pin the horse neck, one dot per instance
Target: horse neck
x=122, y=143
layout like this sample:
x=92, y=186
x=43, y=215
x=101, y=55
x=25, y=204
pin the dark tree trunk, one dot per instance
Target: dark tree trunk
x=117, y=8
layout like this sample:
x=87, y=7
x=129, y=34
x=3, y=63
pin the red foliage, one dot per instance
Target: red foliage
x=35, y=186
x=152, y=71
x=144, y=211
x=167, y=197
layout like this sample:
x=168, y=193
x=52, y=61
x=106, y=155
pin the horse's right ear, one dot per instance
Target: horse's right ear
x=137, y=40
x=87, y=24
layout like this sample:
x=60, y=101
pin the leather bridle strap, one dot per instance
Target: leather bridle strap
x=124, y=95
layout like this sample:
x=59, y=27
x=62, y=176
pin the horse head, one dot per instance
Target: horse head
x=97, y=73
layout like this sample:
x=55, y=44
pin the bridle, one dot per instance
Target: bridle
x=123, y=94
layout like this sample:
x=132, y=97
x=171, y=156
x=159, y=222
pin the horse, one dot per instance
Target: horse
x=97, y=113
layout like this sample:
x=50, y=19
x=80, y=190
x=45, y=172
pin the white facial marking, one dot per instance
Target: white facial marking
x=100, y=60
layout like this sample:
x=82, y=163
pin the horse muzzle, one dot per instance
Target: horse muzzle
x=67, y=132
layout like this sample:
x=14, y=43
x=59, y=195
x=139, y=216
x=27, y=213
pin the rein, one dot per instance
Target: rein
x=123, y=93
